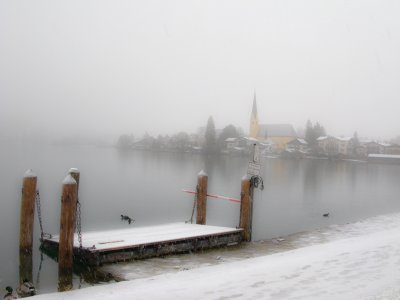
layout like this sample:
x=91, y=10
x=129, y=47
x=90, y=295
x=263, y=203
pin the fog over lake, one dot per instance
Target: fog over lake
x=147, y=186
x=75, y=76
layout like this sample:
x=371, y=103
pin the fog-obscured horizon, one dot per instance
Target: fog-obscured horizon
x=105, y=68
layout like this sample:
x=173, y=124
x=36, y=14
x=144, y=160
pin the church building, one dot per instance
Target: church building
x=278, y=134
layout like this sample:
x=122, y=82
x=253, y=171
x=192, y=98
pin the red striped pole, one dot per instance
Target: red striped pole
x=214, y=196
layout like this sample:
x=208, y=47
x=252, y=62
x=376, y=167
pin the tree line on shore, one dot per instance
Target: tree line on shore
x=207, y=140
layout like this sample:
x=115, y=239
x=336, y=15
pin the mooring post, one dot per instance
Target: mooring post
x=26, y=225
x=246, y=208
x=76, y=175
x=67, y=226
x=202, y=181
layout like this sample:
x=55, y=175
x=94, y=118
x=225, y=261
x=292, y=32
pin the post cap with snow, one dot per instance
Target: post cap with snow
x=73, y=170
x=246, y=177
x=69, y=180
x=29, y=174
x=202, y=173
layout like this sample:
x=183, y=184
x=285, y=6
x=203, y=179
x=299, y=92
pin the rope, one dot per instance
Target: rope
x=194, y=204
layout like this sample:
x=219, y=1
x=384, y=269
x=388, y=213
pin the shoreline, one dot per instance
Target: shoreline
x=324, y=263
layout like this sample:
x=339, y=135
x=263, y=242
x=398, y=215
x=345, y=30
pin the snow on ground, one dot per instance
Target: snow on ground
x=354, y=261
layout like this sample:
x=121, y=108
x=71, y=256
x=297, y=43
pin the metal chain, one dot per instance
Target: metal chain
x=39, y=212
x=78, y=223
x=256, y=181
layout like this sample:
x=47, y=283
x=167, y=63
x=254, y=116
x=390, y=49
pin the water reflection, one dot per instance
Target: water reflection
x=25, y=266
x=147, y=187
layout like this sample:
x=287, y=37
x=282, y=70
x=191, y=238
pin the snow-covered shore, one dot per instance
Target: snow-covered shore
x=354, y=261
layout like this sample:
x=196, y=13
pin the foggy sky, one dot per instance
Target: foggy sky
x=111, y=67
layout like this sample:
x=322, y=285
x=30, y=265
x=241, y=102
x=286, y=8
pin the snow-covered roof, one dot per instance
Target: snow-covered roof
x=300, y=141
x=339, y=138
x=385, y=144
x=238, y=148
x=250, y=139
x=343, y=138
x=231, y=140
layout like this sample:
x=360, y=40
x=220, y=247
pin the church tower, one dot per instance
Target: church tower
x=254, y=126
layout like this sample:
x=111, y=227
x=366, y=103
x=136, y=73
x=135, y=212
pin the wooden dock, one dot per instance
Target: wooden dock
x=99, y=247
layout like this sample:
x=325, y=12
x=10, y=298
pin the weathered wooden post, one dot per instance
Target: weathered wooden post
x=202, y=181
x=76, y=175
x=67, y=226
x=26, y=225
x=246, y=208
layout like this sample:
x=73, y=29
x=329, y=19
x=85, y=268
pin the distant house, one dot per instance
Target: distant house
x=393, y=149
x=331, y=145
x=360, y=151
x=231, y=143
x=298, y=145
x=374, y=147
x=241, y=145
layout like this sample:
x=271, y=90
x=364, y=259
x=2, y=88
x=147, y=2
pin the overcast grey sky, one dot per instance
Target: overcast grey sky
x=111, y=67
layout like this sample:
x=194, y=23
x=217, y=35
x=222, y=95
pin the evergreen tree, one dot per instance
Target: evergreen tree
x=313, y=132
x=229, y=131
x=210, y=137
x=318, y=130
x=309, y=136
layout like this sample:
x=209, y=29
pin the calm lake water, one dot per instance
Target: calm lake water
x=147, y=187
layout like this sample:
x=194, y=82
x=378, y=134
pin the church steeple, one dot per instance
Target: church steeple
x=254, y=110
x=254, y=119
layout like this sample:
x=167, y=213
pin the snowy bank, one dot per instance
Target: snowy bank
x=362, y=262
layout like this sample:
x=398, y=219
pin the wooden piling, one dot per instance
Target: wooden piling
x=67, y=226
x=27, y=211
x=246, y=210
x=76, y=175
x=202, y=181
x=27, y=217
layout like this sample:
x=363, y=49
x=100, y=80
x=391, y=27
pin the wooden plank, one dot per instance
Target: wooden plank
x=109, y=253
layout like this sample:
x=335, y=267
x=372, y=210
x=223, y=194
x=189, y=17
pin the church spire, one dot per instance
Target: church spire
x=254, y=127
x=254, y=110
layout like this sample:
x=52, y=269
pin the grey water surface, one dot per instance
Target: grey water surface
x=148, y=187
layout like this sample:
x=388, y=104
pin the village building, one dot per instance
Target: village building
x=297, y=145
x=332, y=145
x=243, y=145
x=277, y=134
x=374, y=147
x=393, y=149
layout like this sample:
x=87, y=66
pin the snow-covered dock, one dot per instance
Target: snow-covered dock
x=100, y=247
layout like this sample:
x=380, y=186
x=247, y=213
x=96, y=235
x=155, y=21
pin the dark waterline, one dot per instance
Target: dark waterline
x=147, y=186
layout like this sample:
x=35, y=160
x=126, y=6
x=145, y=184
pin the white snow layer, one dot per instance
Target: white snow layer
x=69, y=180
x=73, y=170
x=202, y=173
x=145, y=235
x=29, y=173
x=365, y=266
